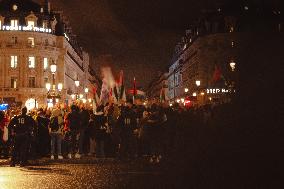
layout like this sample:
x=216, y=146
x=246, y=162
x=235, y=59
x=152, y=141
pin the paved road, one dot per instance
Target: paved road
x=65, y=176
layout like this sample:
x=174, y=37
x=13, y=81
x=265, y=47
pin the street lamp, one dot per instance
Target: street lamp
x=233, y=65
x=53, y=68
x=60, y=86
x=198, y=83
x=48, y=86
x=186, y=90
x=194, y=94
x=77, y=83
x=86, y=91
x=51, y=88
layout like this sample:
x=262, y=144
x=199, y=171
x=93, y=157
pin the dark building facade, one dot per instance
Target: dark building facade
x=206, y=63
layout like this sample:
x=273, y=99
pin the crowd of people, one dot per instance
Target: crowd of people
x=120, y=131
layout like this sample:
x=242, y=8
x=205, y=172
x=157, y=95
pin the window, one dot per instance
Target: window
x=31, y=62
x=14, y=81
x=31, y=82
x=45, y=63
x=0, y=25
x=14, y=40
x=31, y=41
x=14, y=23
x=45, y=79
x=31, y=24
x=14, y=61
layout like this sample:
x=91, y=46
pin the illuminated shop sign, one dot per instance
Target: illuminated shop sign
x=25, y=28
x=216, y=91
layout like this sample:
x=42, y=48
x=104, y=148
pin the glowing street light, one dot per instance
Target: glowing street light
x=60, y=86
x=178, y=100
x=233, y=65
x=197, y=82
x=81, y=96
x=90, y=100
x=73, y=96
x=48, y=86
x=182, y=100
x=77, y=83
x=186, y=90
x=194, y=94
x=86, y=90
x=53, y=68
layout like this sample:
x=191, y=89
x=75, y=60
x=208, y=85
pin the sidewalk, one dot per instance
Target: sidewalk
x=82, y=160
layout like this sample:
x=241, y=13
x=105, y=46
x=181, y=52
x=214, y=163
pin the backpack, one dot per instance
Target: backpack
x=54, y=126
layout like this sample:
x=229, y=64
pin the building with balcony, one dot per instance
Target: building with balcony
x=33, y=37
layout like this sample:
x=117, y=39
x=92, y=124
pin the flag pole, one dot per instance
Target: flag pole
x=134, y=90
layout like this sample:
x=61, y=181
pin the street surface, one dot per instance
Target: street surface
x=65, y=176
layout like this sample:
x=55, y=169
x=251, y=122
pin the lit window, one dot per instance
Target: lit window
x=14, y=61
x=31, y=41
x=14, y=82
x=14, y=23
x=31, y=24
x=0, y=25
x=31, y=82
x=45, y=63
x=31, y=62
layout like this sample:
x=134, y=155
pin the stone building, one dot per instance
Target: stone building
x=33, y=37
x=206, y=61
x=157, y=90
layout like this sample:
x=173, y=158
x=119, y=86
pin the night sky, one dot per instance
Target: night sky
x=137, y=36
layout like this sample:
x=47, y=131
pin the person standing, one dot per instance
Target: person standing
x=84, y=122
x=4, y=119
x=73, y=127
x=56, y=132
x=43, y=134
x=91, y=131
x=129, y=124
x=100, y=131
x=22, y=128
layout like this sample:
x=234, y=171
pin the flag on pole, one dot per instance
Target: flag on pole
x=162, y=95
x=96, y=100
x=121, y=87
x=104, y=97
x=134, y=90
